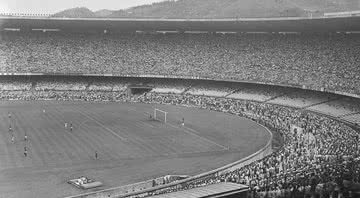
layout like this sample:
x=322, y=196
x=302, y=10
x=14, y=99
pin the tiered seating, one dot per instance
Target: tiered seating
x=320, y=145
x=256, y=92
x=14, y=85
x=355, y=118
x=109, y=84
x=208, y=89
x=338, y=107
x=312, y=60
x=170, y=86
x=60, y=85
x=303, y=98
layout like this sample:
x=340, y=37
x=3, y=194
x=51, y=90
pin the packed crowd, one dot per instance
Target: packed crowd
x=320, y=156
x=60, y=85
x=303, y=98
x=110, y=84
x=14, y=85
x=209, y=89
x=176, y=86
x=315, y=61
x=95, y=96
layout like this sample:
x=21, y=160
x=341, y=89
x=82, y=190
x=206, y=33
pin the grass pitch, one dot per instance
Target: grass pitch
x=130, y=146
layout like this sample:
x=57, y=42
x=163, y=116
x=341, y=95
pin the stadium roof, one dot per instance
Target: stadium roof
x=295, y=24
x=209, y=191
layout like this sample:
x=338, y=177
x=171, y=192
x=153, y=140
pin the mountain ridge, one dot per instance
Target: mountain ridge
x=220, y=9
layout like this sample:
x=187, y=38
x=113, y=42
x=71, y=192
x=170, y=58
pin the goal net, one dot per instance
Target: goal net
x=160, y=115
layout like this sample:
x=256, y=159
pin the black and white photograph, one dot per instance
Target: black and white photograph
x=180, y=99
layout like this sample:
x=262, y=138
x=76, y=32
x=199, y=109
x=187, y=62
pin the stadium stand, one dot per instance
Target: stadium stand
x=60, y=85
x=257, y=92
x=14, y=85
x=302, y=99
x=211, y=191
x=338, y=107
x=354, y=118
x=111, y=84
x=170, y=86
x=319, y=158
x=314, y=61
x=322, y=152
x=207, y=89
x=313, y=151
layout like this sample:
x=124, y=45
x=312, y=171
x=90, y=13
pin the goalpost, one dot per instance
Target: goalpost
x=160, y=115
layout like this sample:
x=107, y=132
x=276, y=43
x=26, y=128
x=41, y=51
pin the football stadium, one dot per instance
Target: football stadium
x=170, y=107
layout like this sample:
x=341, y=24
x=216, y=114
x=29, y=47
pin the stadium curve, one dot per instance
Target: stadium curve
x=281, y=59
x=328, y=100
x=204, y=78
x=172, y=186
x=115, y=192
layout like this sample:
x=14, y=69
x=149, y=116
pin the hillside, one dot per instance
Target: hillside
x=224, y=9
x=327, y=5
x=76, y=13
x=214, y=9
x=103, y=13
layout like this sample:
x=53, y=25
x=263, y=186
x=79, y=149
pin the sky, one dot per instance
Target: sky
x=53, y=6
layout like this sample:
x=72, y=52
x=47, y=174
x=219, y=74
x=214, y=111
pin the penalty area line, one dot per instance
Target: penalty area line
x=107, y=129
x=188, y=131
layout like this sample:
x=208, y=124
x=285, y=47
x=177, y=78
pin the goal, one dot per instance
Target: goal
x=160, y=115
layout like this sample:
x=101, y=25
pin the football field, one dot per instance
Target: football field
x=130, y=146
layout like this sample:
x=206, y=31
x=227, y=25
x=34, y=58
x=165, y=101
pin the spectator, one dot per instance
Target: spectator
x=318, y=153
x=328, y=62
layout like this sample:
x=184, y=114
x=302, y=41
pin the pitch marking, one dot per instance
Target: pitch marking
x=109, y=130
x=144, y=123
x=188, y=131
